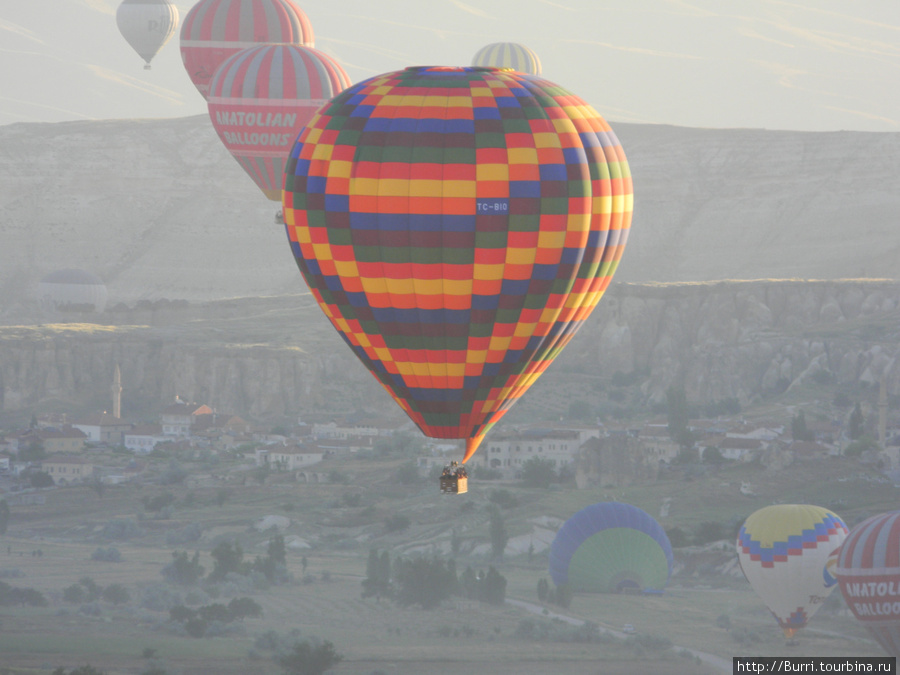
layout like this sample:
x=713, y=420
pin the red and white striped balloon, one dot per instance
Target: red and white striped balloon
x=216, y=29
x=262, y=97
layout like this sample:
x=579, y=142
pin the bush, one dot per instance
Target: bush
x=159, y=502
x=117, y=594
x=678, y=538
x=709, y=531
x=10, y=595
x=538, y=473
x=396, y=523
x=186, y=535
x=74, y=594
x=408, y=473
x=307, y=658
x=160, y=598
x=120, y=529
x=504, y=499
x=486, y=474
x=182, y=570
x=551, y=630
x=110, y=554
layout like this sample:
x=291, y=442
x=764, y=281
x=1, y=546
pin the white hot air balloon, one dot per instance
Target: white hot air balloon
x=784, y=552
x=147, y=25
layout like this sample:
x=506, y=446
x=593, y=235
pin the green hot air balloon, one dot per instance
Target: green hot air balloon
x=610, y=548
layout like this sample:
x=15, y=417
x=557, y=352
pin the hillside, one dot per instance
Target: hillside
x=159, y=209
x=278, y=357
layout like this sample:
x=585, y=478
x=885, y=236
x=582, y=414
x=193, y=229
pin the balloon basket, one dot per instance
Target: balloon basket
x=454, y=485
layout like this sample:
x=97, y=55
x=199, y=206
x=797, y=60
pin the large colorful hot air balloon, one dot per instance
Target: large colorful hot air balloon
x=147, y=25
x=215, y=29
x=260, y=99
x=457, y=225
x=611, y=547
x=868, y=572
x=784, y=551
x=508, y=55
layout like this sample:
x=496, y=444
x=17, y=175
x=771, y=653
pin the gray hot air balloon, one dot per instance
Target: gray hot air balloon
x=147, y=25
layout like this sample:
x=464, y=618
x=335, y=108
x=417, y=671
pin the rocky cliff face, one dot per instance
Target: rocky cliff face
x=268, y=358
x=746, y=339
x=159, y=209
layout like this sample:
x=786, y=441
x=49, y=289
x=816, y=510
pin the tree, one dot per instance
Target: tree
x=309, y=659
x=40, y=479
x=856, y=422
x=677, y=414
x=228, y=557
x=33, y=452
x=408, y=473
x=183, y=571
x=214, y=612
x=74, y=594
x=117, y=594
x=222, y=495
x=378, y=575
x=861, y=445
x=423, y=581
x=493, y=587
x=538, y=473
x=98, y=486
x=455, y=542
x=712, y=455
x=244, y=608
x=396, y=523
x=563, y=596
x=708, y=531
x=158, y=502
x=4, y=516
x=498, y=533
x=468, y=583
x=799, y=430
x=678, y=538
x=93, y=589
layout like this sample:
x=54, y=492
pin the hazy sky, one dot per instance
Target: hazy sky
x=806, y=64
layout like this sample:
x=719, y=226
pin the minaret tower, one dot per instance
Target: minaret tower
x=117, y=393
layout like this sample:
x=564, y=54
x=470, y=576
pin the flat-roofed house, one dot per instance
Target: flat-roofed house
x=66, y=440
x=103, y=428
x=178, y=418
x=67, y=469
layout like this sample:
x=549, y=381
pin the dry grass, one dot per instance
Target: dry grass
x=459, y=637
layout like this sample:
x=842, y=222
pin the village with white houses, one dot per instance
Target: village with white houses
x=105, y=448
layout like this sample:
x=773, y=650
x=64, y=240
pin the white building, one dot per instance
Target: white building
x=178, y=418
x=511, y=451
x=287, y=457
x=144, y=438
